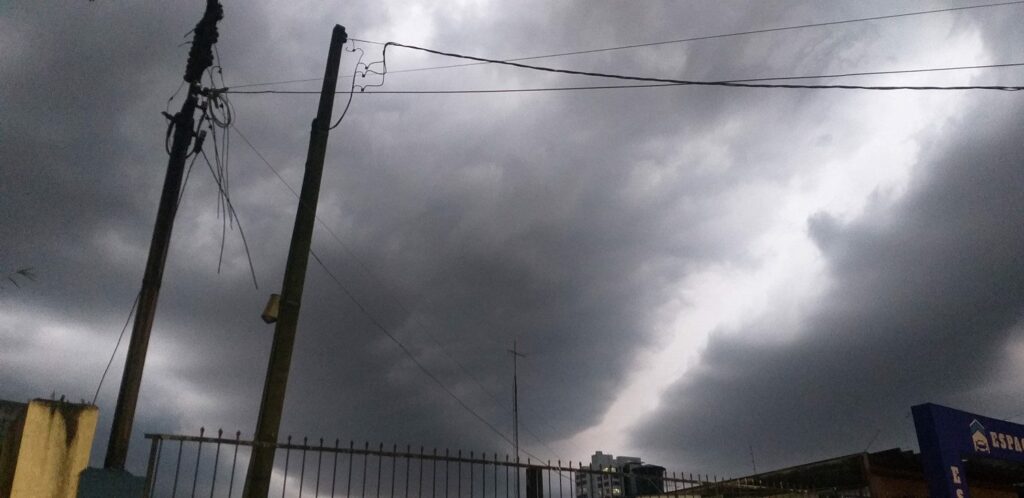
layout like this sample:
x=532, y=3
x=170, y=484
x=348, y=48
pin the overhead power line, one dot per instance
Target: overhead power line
x=668, y=42
x=128, y=320
x=692, y=82
x=712, y=37
x=376, y=323
x=670, y=83
x=405, y=350
x=285, y=82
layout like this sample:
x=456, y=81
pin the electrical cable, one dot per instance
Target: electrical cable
x=725, y=35
x=181, y=194
x=270, y=83
x=693, y=82
x=184, y=183
x=412, y=357
x=217, y=112
x=657, y=85
x=666, y=42
x=405, y=350
x=351, y=89
x=367, y=41
x=593, y=74
x=231, y=208
x=167, y=108
x=221, y=174
x=116, y=346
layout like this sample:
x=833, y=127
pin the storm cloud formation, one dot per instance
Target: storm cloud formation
x=924, y=304
x=580, y=224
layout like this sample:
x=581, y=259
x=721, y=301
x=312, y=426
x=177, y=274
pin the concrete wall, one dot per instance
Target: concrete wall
x=46, y=450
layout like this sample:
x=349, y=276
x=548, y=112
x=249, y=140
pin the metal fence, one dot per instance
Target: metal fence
x=203, y=466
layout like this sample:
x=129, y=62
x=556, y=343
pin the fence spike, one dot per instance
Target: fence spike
x=201, y=431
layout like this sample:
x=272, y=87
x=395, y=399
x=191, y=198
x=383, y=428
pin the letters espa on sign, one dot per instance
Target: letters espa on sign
x=1006, y=441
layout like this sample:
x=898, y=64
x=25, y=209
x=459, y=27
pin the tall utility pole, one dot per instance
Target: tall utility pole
x=515, y=405
x=261, y=465
x=200, y=58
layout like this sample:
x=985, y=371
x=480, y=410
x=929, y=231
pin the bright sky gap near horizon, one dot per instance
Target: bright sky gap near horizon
x=693, y=272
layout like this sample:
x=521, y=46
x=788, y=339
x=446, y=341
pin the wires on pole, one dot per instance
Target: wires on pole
x=131, y=312
x=734, y=84
x=352, y=86
x=234, y=90
x=715, y=36
x=666, y=42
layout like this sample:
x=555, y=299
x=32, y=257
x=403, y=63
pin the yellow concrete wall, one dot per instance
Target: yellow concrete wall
x=56, y=438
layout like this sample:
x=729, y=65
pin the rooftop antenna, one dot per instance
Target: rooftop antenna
x=515, y=406
x=752, y=461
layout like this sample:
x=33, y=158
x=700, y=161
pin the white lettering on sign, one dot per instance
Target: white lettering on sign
x=957, y=481
x=1006, y=441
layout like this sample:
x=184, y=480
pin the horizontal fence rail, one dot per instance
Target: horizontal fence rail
x=202, y=466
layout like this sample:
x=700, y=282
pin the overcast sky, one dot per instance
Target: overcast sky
x=698, y=276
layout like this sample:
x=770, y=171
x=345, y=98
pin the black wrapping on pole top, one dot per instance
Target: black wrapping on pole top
x=200, y=56
x=344, y=35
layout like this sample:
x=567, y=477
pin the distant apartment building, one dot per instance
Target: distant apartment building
x=617, y=477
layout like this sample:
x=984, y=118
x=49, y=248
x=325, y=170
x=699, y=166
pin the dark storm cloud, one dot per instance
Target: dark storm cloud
x=484, y=232
x=559, y=220
x=495, y=230
x=926, y=294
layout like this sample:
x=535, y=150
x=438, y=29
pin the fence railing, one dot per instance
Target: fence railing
x=204, y=466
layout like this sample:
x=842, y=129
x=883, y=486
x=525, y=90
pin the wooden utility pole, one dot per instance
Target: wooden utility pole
x=261, y=465
x=200, y=58
x=515, y=406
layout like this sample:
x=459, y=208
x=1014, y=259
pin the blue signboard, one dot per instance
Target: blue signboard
x=949, y=436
